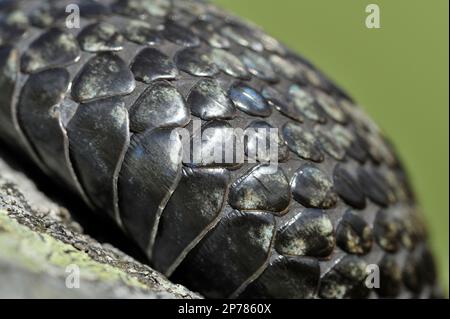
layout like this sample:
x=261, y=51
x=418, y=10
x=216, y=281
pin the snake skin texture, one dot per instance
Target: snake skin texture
x=95, y=106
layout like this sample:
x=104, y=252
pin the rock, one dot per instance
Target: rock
x=43, y=251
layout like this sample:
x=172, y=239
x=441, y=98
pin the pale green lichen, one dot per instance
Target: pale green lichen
x=40, y=252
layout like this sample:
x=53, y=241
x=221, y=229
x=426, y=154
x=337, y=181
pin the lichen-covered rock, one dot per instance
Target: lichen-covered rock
x=43, y=250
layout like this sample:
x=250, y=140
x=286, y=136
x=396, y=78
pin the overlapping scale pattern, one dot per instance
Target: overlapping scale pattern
x=98, y=107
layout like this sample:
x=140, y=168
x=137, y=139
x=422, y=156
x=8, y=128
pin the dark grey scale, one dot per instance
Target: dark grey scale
x=180, y=35
x=98, y=136
x=13, y=26
x=208, y=100
x=92, y=9
x=427, y=267
x=9, y=68
x=257, y=143
x=374, y=186
x=206, y=31
x=221, y=262
x=160, y=105
x=194, y=205
x=104, y=75
x=348, y=187
x=329, y=143
x=100, y=37
x=311, y=187
x=301, y=142
x=390, y=277
x=150, y=173
x=242, y=35
x=151, y=64
x=142, y=9
x=54, y=48
x=286, y=277
x=195, y=62
x=358, y=149
x=288, y=69
x=411, y=274
x=229, y=64
x=44, y=16
x=353, y=234
x=330, y=107
x=387, y=229
x=210, y=146
x=264, y=188
x=309, y=233
x=305, y=102
x=259, y=66
x=249, y=100
x=345, y=280
x=39, y=117
x=279, y=102
x=8, y=5
x=141, y=32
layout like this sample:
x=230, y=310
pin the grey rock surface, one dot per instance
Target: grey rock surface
x=45, y=254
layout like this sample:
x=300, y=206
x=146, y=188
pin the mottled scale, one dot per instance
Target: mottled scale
x=301, y=142
x=142, y=33
x=345, y=280
x=13, y=27
x=222, y=258
x=195, y=62
x=264, y=188
x=353, y=234
x=329, y=143
x=98, y=136
x=160, y=105
x=208, y=100
x=287, y=68
x=229, y=64
x=387, y=230
x=330, y=107
x=54, y=48
x=151, y=64
x=305, y=102
x=313, y=188
x=309, y=233
x=249, y=100
x=104, y=75
x=100, y=37
x=259, y=66
x=192, y=208
x=287, y=277
x=150, y=173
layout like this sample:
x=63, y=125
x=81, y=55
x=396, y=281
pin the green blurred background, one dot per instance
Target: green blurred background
x=398, y=73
